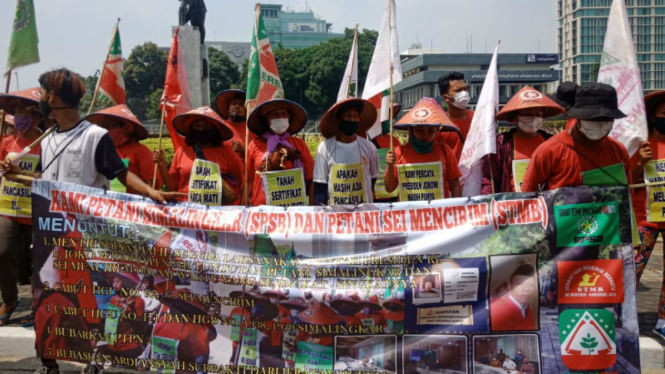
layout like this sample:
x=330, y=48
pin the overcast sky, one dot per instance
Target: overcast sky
x=76, y=33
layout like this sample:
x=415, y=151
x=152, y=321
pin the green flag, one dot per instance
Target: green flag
x=23, y=49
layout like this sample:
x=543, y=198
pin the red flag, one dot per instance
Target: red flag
x=176, y=97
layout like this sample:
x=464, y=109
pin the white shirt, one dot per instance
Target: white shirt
x=509, y=364
x=331, y=152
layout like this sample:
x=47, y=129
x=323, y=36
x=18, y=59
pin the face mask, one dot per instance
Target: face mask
x=22, y=123
x=420, y=146
x=596, y=130
x=202, y=137
x=273, y=300
x=529, y=124
x=658, y=124
x=367, y=310
x=45, y=109
x=236, y=118
x=294, y=313
x=118, y=136
x=461, y=99
x=279, y=125
x=349, y=127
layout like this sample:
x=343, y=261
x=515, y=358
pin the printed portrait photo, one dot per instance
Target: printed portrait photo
x=514, y=293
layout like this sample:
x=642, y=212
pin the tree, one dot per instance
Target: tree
x=223, y=72
x=145, y=70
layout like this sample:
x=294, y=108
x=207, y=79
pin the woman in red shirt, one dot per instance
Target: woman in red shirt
x=127, y=131
x=15, y=196
x=204, y=164
x=275, y=122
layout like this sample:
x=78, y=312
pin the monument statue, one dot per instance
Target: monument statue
x=194, y=12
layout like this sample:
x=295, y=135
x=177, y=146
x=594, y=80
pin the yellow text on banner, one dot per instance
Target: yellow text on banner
x=16, y=198
x=654, y=172
x=115, y=184
x=519, y=171
x=420, y=182
x=347, y=185
x=380, y=185
x=205, y=183
x=285, y=188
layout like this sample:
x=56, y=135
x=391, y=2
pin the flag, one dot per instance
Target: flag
x=385, y=57
x=112, y=81
x=349, y=86
x=175, y=99
x=23, y=46
x=263, y=82
x=481, y=139
x=619, y=68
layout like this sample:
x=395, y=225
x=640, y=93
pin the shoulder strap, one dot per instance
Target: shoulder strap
x=592, y=162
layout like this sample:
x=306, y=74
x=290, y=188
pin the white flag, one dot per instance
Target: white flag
x=481, y=139
x=618, y=68
x=386, y=54
x=349, y=87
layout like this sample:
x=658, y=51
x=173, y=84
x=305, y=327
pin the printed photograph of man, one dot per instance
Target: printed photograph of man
x=514, y=302
x=440, y=354
x=429, y=289
x=369, y=353
x=486, y=360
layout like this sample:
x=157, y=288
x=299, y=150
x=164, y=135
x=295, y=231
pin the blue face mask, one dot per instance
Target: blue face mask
x=22, y=123
x=420, y=146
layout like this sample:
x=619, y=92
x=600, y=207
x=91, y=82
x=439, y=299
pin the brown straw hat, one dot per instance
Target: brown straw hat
x=528, y=98
x=183, y=122
x=258, y=121
x=345, y=305
x=120, y=112
x=223, y=99
x=28, y=97
x=329, y=125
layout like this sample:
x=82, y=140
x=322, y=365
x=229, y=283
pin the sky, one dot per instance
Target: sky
x=76, y=33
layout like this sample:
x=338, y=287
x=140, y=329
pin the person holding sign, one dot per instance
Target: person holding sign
x=15, y=197
x=282, y=162
x=126, y=131
x=230, y=105
x=514, y=148
x=423, y=169
x=648, y=165
x=210, y=172
x=346, y=165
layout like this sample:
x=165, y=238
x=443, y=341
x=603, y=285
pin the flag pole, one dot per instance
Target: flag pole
x=392, y=68
x=27, y=149
x=2, y=123
x=353, y=57
x=245, y=188
x=9, y=80
x=106, y=60
x=159, y=145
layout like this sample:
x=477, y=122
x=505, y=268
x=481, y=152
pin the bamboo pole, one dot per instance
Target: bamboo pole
x=106, y=60
x=159, y=145
x=392, y=69
x=245, y=189
x=2, y=123
x=27, y=149
x=353, y=57
x=21, y=177
x=9, y=80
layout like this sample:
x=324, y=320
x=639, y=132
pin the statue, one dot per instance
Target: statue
x=194, y=12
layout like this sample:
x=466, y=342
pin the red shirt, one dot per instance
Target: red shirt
x=15, y=144
x=228, y=161
x=257, y=148
x=194, y=338
x=452, y=139
x=48, y=344
x=555, y=164
x=125, y=327
x=140, y=163
x=507, y=316
x=405, y=154
x=640, y=194
x=523, y=149
x=239, y=132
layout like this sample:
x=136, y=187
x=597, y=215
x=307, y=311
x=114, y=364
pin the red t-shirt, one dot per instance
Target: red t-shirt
x=640, y=194
x=405, y=154
x=507, y=316
x=15, y=144
x=229, y=163
x=555, y=164
x=452, y=139
x=523, y=149
x=257, y=148
x=194, y=339
x=239, y=132
x=125, y=327
x=140, y=163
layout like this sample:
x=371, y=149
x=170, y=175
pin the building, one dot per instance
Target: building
x=581, y=34
x=422, y=71
x=295, y=30
x=238, y=52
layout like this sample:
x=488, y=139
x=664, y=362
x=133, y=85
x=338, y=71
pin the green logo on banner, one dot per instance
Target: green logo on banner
x=588, y=339
x=587, y=224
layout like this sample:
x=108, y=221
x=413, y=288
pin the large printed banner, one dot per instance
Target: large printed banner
x=511, y=283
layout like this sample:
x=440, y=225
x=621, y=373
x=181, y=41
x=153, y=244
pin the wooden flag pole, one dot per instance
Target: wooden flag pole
x=9, y=80
x=106, y=60
x=2, y=123
x=392, y=68
x=353, y=57
x=245, y=189
x=159, y=145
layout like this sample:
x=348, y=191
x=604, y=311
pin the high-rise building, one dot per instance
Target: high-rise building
x=581, y=34
x=295, y=29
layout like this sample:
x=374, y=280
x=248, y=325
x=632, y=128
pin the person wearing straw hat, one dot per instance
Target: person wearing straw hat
x=393, y=313
x=276, y=150
x=370, y=315
x=318, y=314
x=347, y=308
x=122, y=301
x=239, y=314
x=15, y=197
x=645, y=165
x=257, y=348
x=295, y=306
x=566, y=159
x=423, y=169
x=126, y=131
x=205, y=168
x=346, y=165
x=503, y=171
x=230, y=105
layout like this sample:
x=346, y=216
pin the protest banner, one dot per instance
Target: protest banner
x=340, y=289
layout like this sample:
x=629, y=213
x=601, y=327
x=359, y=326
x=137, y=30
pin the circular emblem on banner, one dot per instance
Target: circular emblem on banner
x=22, y=18
x=587, y=225
x=531, y=95
x=422, y=113
x=308, y=313
x=238, y=51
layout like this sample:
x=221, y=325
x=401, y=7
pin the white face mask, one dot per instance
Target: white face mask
x=529, y=124
x=273, y=300
x=279, y=125
x=596, y=130
x=461, y=99
x=294, y=313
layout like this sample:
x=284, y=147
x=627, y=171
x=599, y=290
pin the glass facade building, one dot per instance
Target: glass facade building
x=295, y=29
x=581, y=34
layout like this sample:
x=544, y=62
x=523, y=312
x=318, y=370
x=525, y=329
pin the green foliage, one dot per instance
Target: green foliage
x=223, y=72
x=167, y=146
x=145, y=70
x=153, y=111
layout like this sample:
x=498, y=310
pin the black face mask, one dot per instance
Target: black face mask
x=45, y=109
x=659, y=125
x=236, y=118
x=201, y=137
x=349, y=127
